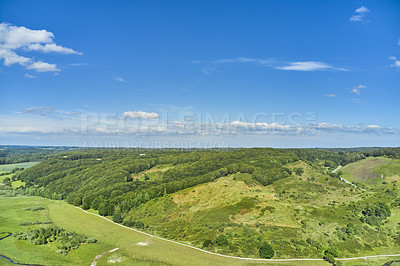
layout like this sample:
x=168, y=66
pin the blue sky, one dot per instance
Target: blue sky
x=200, y=73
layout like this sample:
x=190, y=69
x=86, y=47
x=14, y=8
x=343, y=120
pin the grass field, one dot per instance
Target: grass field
x=364, y=171
x=109, y=236
x=9, y=167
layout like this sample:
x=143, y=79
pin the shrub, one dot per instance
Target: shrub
x=332, y=250
x=329, y=258
x=207, y=243
x=266, y=251
x=222, y=240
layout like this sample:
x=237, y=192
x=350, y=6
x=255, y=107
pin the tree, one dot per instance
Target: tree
x=299, y=171
x=222, y=240
x=207, y=243
x=329, y=258
x=333, y=250
x=117, y=217
x=103, y=210
x=96, y=202
x=85, y=203
x=266, y=251
x=77, y=201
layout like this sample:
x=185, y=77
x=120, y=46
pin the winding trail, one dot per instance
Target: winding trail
x=102, y=254
x=227, y=256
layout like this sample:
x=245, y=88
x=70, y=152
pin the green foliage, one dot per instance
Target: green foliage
x=222, y=240
x=117, y=217
x=375, y=213
x=299, y=171
x=207, y=243
x=65, y=240
x=329, y=258
x=34, y=208
x=332, y=250
x=266, y=251
x=77, y=201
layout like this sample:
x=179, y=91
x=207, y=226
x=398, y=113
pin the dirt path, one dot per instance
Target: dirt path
x=99, y=256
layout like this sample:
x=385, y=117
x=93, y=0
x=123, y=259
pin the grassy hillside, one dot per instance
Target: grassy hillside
x=237, y=201
x=134, y=248
x=300, y=215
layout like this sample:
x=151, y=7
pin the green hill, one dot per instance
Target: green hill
x=236, y=201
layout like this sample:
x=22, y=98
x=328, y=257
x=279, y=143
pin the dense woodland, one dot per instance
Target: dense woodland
x=102, y=178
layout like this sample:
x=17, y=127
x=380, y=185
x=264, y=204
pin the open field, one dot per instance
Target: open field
x=364, y=170
x=134, y=248
x=9, y=167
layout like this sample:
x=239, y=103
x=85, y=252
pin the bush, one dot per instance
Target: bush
x=332, y=250
x=329, y=258
x=207, y=243
x=34, y=208
x=266, y=251
x=222, y=240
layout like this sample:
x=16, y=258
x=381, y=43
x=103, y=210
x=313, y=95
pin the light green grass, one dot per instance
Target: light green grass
x=364, y=171
x=109, y=236
x=9, y=167
x=18, y=183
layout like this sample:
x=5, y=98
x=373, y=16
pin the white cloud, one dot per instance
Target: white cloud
x=309, y=66
x=140, y=115
x=360, y=14
x=13, y=38
x=49, y=48
x=396, y=63
x=362, y=9
x=357, y=89
x=331, y=95
x=120, y=79
x=34, y=121
x=29, y=76
x=39, y=110
x=244, y=60
x=40, y=66
x=398, y=43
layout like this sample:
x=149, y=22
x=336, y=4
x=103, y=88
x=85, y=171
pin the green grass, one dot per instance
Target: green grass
x=18, y=183
x=9, y=167
x=364, y=171
x=109, y=236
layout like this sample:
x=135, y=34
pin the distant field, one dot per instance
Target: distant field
x=364, y=170
x=9, y=167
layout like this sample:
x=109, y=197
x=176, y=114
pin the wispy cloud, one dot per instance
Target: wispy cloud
x=15, y=38
x=331, y=95
x=360, y=14
x=140, y=115
x=29, y=76
x=358, y=88
x=119, y=79
x=309, y=66
x=269, y=62
x=396, y=63
x=265, y=61
x=50, y=121
x=39, y=110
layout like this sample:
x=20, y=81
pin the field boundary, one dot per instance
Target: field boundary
x=233, y=257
